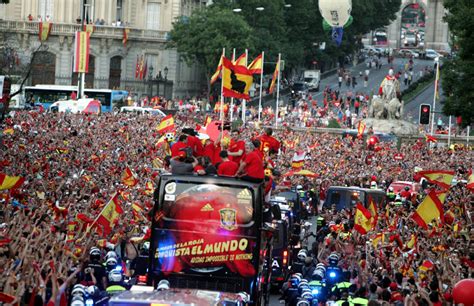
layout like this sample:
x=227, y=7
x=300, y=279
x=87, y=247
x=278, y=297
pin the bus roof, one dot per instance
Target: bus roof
x=67, y=88
x=208, y=180
x=355, y=188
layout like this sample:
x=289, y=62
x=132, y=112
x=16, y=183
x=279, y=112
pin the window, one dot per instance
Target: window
x=119, y=10
x=153, y=16
x=45, y=8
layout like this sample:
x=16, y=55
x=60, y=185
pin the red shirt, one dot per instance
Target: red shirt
x=227, y=168
x=175, y=149
x=236, y=146
x=254, y=164
x=269, y=142
x=209, y=150
x=196, y=145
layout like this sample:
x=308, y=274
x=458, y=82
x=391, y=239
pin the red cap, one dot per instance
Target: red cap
x=393, y=286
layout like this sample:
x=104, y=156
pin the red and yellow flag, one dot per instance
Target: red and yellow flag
x=430, y=209
x=217, y=74
x=89, y=28
x=241, y=60
x=166, y=125
x=426, y=265
x=298, y=160
x=411, y=243
x=10, y=182
x=373, y=211
x=236, y=80
x=442, y=178
x=149, y=188
x=109, y=216
x=430, y=138
x=360, y=129
x=8, y=131
x=125, y=36
x=129, y=178
x=81, y=55
x=44, y=30
x=274, y=78
x=256, y=66
x=207, y=121
x=379, y=238
x=362, y=219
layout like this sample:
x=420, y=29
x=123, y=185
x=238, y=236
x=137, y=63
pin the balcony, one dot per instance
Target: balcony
x=69, y=29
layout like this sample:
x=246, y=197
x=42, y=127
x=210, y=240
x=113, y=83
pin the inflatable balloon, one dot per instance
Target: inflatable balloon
x=336, y=12
x=463, y=292
x=336, y=16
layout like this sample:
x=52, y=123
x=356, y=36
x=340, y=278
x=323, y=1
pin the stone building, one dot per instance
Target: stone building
x=112, y=63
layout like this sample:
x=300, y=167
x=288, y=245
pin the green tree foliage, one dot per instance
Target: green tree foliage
x=458, y=72
x=201, y=37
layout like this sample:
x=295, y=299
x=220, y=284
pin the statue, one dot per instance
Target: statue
x=387, y=105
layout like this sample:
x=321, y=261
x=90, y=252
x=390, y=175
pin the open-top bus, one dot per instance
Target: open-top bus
x=46, y=95
x=209, y=233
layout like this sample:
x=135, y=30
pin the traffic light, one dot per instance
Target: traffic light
x=425, y=112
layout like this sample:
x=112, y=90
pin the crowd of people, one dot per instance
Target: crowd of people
x=73, y=166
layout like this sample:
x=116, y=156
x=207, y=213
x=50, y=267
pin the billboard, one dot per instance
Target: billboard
x=205, y=228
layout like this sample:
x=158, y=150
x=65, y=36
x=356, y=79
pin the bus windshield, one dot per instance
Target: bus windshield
x=204, y=229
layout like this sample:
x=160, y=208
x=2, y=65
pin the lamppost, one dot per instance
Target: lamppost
x=150, y=80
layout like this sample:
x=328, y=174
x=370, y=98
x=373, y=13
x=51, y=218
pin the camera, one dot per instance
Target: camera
x=88, y=270
x=188, y=151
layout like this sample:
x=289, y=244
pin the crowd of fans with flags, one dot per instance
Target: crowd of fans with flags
x=74, y=188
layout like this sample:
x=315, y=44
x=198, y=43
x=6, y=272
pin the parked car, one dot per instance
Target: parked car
x=408, y=53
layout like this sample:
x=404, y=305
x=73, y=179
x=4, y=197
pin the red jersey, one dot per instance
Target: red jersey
x=254, y=164
x=269, y=142
x=236, y=146
x=175, y=149
x=196, y=145
x=227, y=168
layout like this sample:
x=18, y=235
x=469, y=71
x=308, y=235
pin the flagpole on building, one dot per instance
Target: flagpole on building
x=278, y=90
x=222, y=97
x=449, y=132
x=261, y=87
x=232, y=99
x=243, y=100
x=435, y=95
x=82, y=75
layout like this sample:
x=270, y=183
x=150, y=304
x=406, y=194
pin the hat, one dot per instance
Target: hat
x=393, y=286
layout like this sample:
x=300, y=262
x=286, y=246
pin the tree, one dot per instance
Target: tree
x=458, y=72
x=201, y=37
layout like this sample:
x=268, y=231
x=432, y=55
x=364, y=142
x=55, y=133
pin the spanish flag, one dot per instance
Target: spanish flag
x=207, y=121
x=442, y=178
x=236, y=80
x=82, y=49
x=109, y=216
x=129, y=178
x=217, y=74
x=298, y=160
x=89, y=28
x=274, y=78
x=125, y=36
x=373, y=212
x=44, y=30
x=430, y=138
x=426, y=266
x=166, y=125
x=430, y=209
x=379, y=238
x=411, y=243
x=8, y=131
x=149, y=188
x=10, y=182
x=362, y=219
x=256, y=66
x=241, y=61
x=360, y=129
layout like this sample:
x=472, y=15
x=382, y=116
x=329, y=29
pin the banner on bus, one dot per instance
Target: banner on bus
x=81, y=52
x=206, y=229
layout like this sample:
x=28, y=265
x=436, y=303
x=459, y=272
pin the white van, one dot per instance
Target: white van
x=142, y=110
x=88, y=106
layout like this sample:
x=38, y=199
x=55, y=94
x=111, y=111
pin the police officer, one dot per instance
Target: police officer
x=116, y=283
x=398, y=201
x=390, y=195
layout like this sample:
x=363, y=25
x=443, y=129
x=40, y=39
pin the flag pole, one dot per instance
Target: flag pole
x=232, y=99
x=261, y=87
x=449, y=132
x=278, y=90
x=243, y=100
x=435, y=95
x=222, y=97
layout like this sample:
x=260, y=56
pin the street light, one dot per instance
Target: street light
x=166, y=73
x=287, y=5
x=237, y=10
x=150, y=80
x=165, y=81
x=260, y=8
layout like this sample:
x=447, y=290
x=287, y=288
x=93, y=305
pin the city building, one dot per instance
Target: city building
x=113, y=59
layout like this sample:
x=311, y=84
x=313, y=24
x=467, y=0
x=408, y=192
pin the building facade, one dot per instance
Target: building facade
x=112, y=63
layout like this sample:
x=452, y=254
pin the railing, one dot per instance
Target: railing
x=68, y=29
